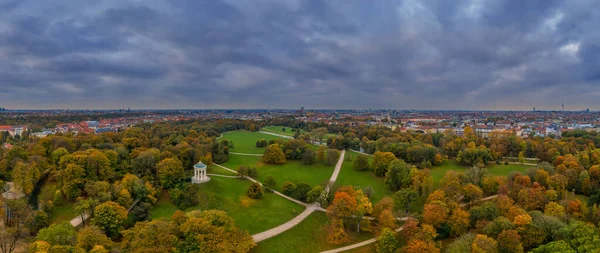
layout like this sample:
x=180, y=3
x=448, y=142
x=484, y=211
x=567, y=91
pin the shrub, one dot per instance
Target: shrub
x=361, y=163
x=261, y=143
x=270, y=183
x=288, y=188
x=255, y=191
x=314, y=194
x=301, y=191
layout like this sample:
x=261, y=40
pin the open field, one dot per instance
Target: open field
x=295, y=172
x=308, y=236
x=438, y=172
x=245, y=141
x=229, y=195
x=278, y=130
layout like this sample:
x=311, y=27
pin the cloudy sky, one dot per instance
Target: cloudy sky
x=411, y=54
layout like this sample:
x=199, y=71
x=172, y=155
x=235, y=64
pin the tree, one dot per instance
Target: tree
x=16, y=226
x=270, y=183
x=151, y=236
x=321, y=153
x=435, y=213
x=110, y=217
x=39, y=247
x=26, y=176
x=314, y=194
x=363, y=206
x=381, y=161
x=554, y=209
x=509, y=241
x=84, y=206
x=170, y=172
x=91, y=236
x=255, y=191
x=459, y=221
x=386, y=220
x=337, y=235
x=386, y=242
x=332, y=157
x=343, y=206
x=484, y=244
x=404, y=197
x=308, y=157
x=420, y=246
x=274, y=155
x=288, y=188
x=553, y=247
x=58, y=234
x=398, y=175
x=301, y=191
x=361, y=163
x=461, y=244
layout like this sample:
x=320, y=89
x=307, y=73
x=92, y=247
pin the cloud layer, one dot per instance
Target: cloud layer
x=412, y=54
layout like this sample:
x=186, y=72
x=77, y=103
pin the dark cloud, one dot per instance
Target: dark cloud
x=467, y=54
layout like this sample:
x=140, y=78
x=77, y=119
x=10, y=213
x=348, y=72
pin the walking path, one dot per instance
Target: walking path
x=356, y=151
x=278, y=135
x=219, y=175
x=235, y=153
x=360, y=244
x=284, y=227
x=336, y=171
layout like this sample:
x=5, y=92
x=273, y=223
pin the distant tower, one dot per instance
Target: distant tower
x=533, y=109
x=563, y=108
x=302, y=110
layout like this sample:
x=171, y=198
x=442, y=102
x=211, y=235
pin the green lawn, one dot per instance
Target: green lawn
x=245, y=141
x=308, y=236
x=218, y=170
x=295, y=172
x=229, y=195
x=361, y=179
x=278, y=130
x=438, y=172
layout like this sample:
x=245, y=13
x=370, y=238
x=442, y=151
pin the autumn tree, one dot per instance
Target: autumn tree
x=381, y=161
x=255, y=191
x=170, y=172
x=435, y=213
x=484, y=244
x=386, y=242
x=509, y=241
x=91, y=236
x=110, y=217
x=459, y=221
x=274, y=155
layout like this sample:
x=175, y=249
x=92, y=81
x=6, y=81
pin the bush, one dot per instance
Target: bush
x=274, y=155
x=255, y=191
x=314, y=194
x=261, y=143
x=252, y=172
x=301, y=191
x=288, y=188
x=506, y=163
x=270, y=183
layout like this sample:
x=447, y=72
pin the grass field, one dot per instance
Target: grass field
x=217, y=170
x=308, y=236
x=361, y=179
x=245, y=141
x=438, y=172
x=229, y=195
x=293, y=170
x=278, y=130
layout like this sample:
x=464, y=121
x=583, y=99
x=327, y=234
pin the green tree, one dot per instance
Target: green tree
x=509, y=241
x=154, y=236
x=58, y=234
x=270, y=183
x=361, y=163
x=110, y=217
x=308, y=157
x=398, y=175
x=386, y=242
x=288, y=188
x=404, y=197
x=170, y=172
x=274, y=155
x=314, y=194
x=332, y=157
x=381, y=161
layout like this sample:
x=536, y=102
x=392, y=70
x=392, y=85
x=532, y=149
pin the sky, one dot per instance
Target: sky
x=411, y=54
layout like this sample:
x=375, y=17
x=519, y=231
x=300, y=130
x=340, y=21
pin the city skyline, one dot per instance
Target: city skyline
x=425, y=55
